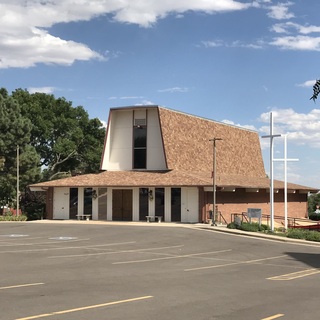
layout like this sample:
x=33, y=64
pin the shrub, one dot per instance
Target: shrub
x=296, y=233
x=232, y=225
x=252, y=227
x=264, y=227
x=10, y=217
x=314, y=216
x=313, y=236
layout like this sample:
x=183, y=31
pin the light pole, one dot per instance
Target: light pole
x=214, y=180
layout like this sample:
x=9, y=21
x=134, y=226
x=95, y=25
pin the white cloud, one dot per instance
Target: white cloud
x=235, y=44
x=47, y=90
x=297, y=43
x=147, y=12
x=250, y=127
x=280, y=11
x=302, y=128
x=288, y=26
x=25, y=40
x=145, y=103
x=212, y=44
x=307, y=84
x=174, y=89
x=297, y=38
x=104, y=123
x=38, y=46
x=130, y=97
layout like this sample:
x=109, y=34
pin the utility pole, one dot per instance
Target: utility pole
x=18, y=187
x=214, y=181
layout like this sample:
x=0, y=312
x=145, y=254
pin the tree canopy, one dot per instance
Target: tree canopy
x=15, y=131
x=55, y=139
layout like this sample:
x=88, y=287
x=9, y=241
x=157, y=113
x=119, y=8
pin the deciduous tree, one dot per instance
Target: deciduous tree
x=66, y=140
x=15, y=131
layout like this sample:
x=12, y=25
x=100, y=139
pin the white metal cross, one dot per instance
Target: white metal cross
x=271, y=136
x=285, y=160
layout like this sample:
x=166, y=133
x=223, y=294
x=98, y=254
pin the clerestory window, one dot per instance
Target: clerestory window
x=139, y=147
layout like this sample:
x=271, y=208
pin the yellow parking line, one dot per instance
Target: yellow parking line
x=22, y=285
x=295, y=275
x=274, y=317
x=85, y=308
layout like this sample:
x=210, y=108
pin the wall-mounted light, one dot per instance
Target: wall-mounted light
x=94, y=194
x=150, y=195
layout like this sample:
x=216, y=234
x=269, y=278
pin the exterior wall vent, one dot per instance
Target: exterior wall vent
x=140, y=122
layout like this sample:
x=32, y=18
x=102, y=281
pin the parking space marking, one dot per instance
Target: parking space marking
x=12, y=240
x=172, y=257
x=39, y=244
x=22, y=285
x=114, y=252
x=85, y=308
x=235, y=263
x=295, y=275
x=279, y=315
x=68, y=248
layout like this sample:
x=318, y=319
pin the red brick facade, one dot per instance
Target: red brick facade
x=240, y=200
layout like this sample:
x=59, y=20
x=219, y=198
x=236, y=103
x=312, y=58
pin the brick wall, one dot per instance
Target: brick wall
x=240, y=200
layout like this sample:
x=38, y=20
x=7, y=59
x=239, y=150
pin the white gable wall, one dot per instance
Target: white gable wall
x=119, y=145
x=120, y=141
x=155, y=151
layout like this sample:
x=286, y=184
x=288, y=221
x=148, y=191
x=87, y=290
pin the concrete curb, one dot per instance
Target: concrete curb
x=224, y=229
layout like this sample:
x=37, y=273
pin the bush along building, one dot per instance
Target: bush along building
x=159, y=162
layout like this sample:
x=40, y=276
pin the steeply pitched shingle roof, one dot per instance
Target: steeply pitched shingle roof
x=189, y=156
x=187, y=146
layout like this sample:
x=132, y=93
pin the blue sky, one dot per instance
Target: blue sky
x=230, y=61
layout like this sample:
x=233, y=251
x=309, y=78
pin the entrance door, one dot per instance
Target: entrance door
x=73, y=203
x=159, y=202
x=122, y=205
x=143, y=203
x=176, y=204
x=102, y=203
x=189, y=205
x=61, y=203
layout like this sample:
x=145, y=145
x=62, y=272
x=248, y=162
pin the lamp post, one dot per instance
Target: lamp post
x=214, y=180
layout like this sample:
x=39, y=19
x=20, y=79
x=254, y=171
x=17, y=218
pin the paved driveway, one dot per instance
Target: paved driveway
x=62, y=270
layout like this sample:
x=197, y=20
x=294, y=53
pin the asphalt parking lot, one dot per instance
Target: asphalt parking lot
x=62, y=270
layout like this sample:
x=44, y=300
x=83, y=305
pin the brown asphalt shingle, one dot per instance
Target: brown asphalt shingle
x=187, y=146
x=189, y=156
